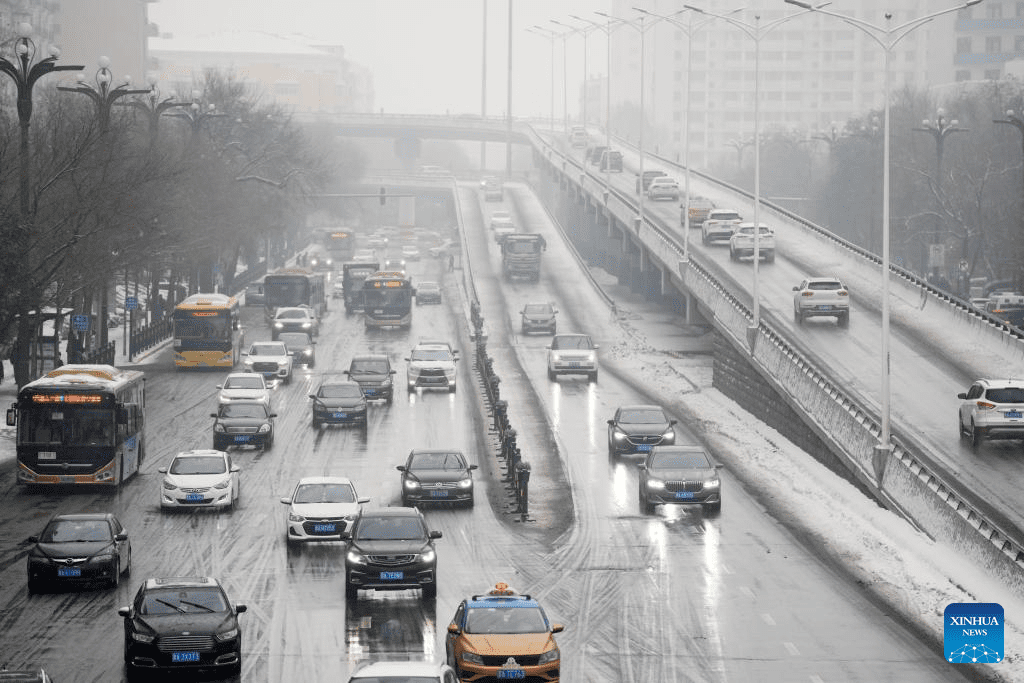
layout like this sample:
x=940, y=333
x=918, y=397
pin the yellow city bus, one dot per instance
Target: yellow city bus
x=80, y=424
x=207, y=332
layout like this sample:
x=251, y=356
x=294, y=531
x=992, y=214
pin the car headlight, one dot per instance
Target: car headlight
x=669, y=434
x=655, y=484
x=307, y=352
x=264, y=428
x=428, y=556
x=248, y=363
x=307, y=324
x=218, y=427
x=230, y=634
x=355, y=557
x=142, y=637
x=713, y=483
x=169, y=486
x=618, y=434
x=472, y=658
x=222, y=484
x=278, y=325
x=591, y=357
x=292, y=517
x=465, y=483
x=410, y=484
x=549, y=656
x=101, y=559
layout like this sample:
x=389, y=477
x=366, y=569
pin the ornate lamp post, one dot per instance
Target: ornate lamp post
x=153, y=108
x=1012, y=119
x=196, y=116
x=25, y=74
x=939, y=129
x=101, y=94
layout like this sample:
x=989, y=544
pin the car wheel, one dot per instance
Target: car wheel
x=34, y=587
x=316, y=423
x=713, y=508
x=288, y=378
x=960, y=427
x=128, y=565
x=977, y=435
x=451, y=388
x=236, y=668
x=732, y=255
x=798, y=316
x=430, y=591
x=312, y=364
x=844, y=319
x=704, y=239
x=770, y=258
x=351, y=591
x=115, y=574
x=469, y=503
x=551, y=374
x=646, y=507
x=411, y=387
x=593, y=376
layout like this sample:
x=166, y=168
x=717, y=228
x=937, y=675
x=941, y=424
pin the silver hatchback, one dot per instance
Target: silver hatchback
x=992, y=409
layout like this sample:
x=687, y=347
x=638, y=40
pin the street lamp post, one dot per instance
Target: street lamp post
x=940, y=129
x=550, y=35
x=194, y=114
x=583, y=31
x=607, y=28
x=755, y=32
x=1012, y=119
x=887, y=37
x=153, y=108
x=101, y=94
x=25, y=74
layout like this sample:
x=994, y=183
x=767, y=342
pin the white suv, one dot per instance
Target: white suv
x=719, y=225
x=572, y=354
x=992, y=409
x=270, y=359
x=432, y=364
x=821, y=296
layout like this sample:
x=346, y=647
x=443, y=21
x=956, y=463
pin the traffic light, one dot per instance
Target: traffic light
x=383, y=196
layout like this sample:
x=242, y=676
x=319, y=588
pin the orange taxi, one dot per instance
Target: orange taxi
x=502, y=635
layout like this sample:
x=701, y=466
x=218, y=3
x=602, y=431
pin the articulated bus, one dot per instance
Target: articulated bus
x=80, y=424
x=294, y=287
x=387, y=299
x=208, y=331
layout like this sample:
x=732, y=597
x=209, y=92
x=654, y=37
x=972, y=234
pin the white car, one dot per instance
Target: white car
x=294, y=319
x=270, y=359
x=572, y=354
x=244, y=386
x=320, y=508
x=364, y=256
x=199, y=478
x=663, y=187
x=500, y=218
x=720, y=225
x=403, y=671
x=821, y=296
x=432, y=364
x=410, y=252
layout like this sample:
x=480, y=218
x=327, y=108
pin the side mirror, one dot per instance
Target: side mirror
x=434, y=534
x=12, y=417
x=240, y=608
x=473, y=467
x=161, y=470
x=557, y=628
x=962, y=396
x=611, y=422
x=346, y=535
x=32, y=539
x=121, y=537
x=213, y=414
x=236, y=468
x=642, y=466
x=286, y=501
x=272, y=415
x=454, y=629
x=363, y=500
x=392, y=372
x=400, y=468
x=124, y=611
x=406, y=360
x=673, y=423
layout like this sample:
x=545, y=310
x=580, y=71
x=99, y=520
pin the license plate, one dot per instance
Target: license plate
x=66, y=479
x=511, y=673
x=69, y=571
x=241, y=438
x=438, y=494
x=338, y=416
x=184, y=656
x=324, y=528
x=369, y=392
x=47, y=455
x=193, y=497
x=1013, y=413
x=643, y=448
x=684, y=494
x=824, y=308
x=573, y=364
x=392, y=576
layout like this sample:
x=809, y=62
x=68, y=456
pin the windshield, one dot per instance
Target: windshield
x=395, y=678
x=255, y=410
x=291, y=314
x=202, y=324
x=199, y=464
x=294, y=339
x=642, y=416
x=431, y=355
x=340, y=391
x=437, y=461
x=505, y=620
x=183, y=601
x=523, y=247
x=268, y=350
x=245, y=382
x=390, y=529
x=1005, y=395
x=824, y=286
x=537, y=309
x=368, y=367
x=681, y=461
x=290, y=291
x=71, y=530
x=576, y=342
x=325, y=493
x=68, y=426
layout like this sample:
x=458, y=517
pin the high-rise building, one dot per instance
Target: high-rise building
x=990, y=41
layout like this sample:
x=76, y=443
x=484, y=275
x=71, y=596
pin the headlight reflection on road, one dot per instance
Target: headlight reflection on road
x=623, y=487
x=713, y=571
x=593, y=419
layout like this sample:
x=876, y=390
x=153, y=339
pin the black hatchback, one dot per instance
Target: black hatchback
x=79, y=548
x=390, y=549
x=181, y=624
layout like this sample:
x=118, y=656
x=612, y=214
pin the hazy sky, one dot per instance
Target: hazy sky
x=424, y=54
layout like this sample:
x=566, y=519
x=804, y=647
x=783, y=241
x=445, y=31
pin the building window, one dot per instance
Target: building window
x=1020, y=9
x=992, y=74
x=963, y=75
x=993, y=45
x=994, y=10
x=1018, y=44
x=963, y=45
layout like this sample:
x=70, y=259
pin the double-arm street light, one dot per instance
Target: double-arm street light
x=153, y=108
x=196, y=116
x=940, y=129
x=550, y=35
x=887, y=37
x=755, y=31
x=607, y=28
x=25, y=74
x=1014, y=119
x=101, y=94
x=583, y=31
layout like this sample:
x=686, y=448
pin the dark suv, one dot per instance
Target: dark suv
x=390, y=549
x=373, y=373
x=182, y=623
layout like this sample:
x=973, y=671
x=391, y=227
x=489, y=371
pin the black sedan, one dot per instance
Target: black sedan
x=390, y=549
x=437, y=476
x=680, y=475
x=339, y=402
x=638, y=429
x=181, y=624
x=538, y=318
x=79, y=548
x=300, y=346
x=243, y=424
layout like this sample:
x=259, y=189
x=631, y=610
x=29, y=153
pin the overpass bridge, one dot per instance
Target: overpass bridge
x=826, y=377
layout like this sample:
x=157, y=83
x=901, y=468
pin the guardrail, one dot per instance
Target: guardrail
x=910, y=482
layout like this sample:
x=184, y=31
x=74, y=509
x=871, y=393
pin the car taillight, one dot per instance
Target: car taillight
x=807, y=293
x=843, y=292
x=985, y=405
